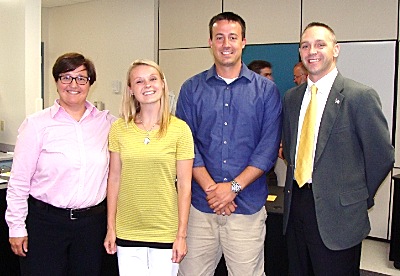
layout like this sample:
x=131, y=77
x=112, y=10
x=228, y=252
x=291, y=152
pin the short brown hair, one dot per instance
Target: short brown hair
x=323, y=25
x=69, y=62
x=230, y=16
x=258, y=65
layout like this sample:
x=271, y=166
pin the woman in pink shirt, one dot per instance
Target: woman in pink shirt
x=56, y=212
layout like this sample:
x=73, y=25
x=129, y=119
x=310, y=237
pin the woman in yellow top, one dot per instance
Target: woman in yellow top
x=149, y=185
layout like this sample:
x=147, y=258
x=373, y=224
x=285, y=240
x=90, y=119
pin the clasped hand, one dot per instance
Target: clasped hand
x=220, y=198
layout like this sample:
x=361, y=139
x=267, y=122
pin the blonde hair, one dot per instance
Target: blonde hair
x=130, y=106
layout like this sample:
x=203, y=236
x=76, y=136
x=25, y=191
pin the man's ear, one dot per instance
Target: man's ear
x=336, y=50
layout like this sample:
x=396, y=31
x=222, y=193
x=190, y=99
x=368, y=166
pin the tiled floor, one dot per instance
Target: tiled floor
x=375, y=257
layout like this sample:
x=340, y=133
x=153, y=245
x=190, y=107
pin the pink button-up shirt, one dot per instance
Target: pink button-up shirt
x=59, y=161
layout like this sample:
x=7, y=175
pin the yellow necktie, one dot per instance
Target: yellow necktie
x=304, y=162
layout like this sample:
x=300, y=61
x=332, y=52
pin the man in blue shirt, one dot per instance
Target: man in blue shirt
x=235, y=117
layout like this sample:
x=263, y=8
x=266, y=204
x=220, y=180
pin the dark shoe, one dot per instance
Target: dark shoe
x=396, y=264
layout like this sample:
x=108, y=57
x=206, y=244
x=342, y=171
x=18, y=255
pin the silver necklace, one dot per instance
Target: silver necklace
x=147, y=138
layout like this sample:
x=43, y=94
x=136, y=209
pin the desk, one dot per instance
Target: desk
x=9, y=264
x=5, y=162
x=395, y=232
x=276, y=257
x=275, y=249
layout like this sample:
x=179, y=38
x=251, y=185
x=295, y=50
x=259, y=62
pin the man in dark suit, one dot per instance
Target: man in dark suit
x=326, y=219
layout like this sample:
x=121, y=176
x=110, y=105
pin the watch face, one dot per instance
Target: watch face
x=236, y=188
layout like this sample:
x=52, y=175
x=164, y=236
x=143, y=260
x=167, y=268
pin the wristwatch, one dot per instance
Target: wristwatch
x=236, y=188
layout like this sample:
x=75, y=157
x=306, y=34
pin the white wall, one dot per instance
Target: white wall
x=20, y=64
x=110, y=33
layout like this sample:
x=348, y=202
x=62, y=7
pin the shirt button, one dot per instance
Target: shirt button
x=224, y=161
x=225, y=142
x=225, y=179
x=226, y=123
x=226, y=105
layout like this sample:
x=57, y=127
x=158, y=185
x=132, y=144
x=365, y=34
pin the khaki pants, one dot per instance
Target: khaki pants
x=239, y=237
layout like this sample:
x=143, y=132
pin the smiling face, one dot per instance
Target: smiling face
x=146, y=84
x=318, y=51
x=73, y=95
x=227, y=44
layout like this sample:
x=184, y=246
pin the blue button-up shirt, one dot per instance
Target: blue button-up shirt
x=234, y=126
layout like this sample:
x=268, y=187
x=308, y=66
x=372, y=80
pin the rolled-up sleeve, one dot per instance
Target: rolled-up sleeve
x=184, y=111
x=266, y=152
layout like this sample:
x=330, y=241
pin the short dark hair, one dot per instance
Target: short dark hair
x=258, y=65
x=323, y=25
x=69, y=62
x=230, y=16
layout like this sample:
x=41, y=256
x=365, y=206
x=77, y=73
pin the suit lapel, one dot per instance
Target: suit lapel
x=331, y=111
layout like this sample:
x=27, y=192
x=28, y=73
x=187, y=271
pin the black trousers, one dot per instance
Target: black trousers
x=59, y=246
x=307, y=253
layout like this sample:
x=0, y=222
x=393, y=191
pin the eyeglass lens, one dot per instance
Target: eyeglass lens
x=79, y=79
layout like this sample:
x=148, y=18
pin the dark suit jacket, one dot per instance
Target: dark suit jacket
x=353, y=156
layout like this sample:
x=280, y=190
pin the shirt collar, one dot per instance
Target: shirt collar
x=325, y=83
x=244, y=72
x=56, y=108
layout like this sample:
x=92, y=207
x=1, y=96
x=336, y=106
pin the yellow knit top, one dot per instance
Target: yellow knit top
x=147, y=207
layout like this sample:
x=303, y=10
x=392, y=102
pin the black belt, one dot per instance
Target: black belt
x=69, y=212
x=306, y=186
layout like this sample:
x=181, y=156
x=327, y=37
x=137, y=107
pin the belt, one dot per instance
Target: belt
x=68, y=212
x=306, y=186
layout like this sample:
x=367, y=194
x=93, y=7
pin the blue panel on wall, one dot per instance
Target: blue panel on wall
x=282, y=57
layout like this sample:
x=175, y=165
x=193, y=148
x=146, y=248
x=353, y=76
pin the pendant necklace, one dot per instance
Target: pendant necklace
x=147, y=138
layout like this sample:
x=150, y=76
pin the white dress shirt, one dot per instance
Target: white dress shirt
x=324, y=86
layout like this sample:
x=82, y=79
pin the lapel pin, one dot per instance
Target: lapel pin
x=337, y=101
